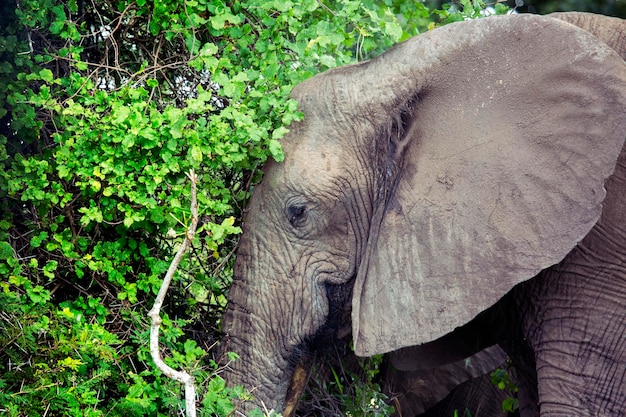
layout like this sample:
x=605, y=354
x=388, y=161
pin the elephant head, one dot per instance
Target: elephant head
x=422, y=186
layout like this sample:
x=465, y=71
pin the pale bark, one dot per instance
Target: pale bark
x=180, y=376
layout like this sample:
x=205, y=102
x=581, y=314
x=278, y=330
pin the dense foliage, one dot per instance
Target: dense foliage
x=103, y=108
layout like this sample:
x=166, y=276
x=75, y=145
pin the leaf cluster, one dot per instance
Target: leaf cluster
x=505, y=379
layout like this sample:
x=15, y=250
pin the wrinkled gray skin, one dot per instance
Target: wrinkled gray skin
x=460, y=385
x=451, y=194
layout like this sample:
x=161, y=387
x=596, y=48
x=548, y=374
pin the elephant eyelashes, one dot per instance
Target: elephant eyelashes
x=296, y=214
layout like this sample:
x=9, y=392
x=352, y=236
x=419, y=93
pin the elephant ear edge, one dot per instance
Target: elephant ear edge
x=610, y=30
x=516, y=129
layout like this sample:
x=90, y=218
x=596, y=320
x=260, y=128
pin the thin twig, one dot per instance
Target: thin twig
x=181, y=376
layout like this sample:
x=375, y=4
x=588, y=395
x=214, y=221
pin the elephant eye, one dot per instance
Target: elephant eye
x=296, y=214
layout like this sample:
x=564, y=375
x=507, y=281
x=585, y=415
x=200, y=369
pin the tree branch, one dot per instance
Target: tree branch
x=180, y=376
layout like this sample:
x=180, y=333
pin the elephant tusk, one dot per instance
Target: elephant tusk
x=299, y=379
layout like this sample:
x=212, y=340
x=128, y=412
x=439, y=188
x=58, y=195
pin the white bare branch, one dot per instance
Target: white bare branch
x=154, y=314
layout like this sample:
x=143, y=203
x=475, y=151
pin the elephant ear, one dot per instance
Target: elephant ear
x=610, y=30
x=503, y=131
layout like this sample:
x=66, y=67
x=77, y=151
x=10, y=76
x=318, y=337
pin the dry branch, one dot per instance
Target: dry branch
x=180, y=376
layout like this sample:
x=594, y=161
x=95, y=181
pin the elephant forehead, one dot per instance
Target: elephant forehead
x=311, y=163
x=307, y=160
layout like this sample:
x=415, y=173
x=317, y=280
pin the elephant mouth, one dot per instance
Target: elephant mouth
x=336, y=327
x=338, y=321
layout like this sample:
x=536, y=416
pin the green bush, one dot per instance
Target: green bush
x=103, y=108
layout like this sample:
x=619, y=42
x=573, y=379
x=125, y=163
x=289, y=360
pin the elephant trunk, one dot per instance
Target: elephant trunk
x=257, y=328
x=257, y=368
x=270, y=389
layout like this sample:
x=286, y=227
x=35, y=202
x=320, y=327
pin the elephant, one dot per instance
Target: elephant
x=465, y=189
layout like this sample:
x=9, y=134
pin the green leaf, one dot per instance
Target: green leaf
x=57, y=27
x=276, y=150
x=208, y=49
x=49, y=268
x=510, y=404
x=196, y=154
x=394, y=30
x=6, y=251
x=36, y=240
x=71, y=363
x=46, y=75
x=120, y=114
x=219, y=21
x=81, y=65
x=157, y=215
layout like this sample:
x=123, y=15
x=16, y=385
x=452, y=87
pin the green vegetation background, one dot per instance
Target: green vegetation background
x=103, y=108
